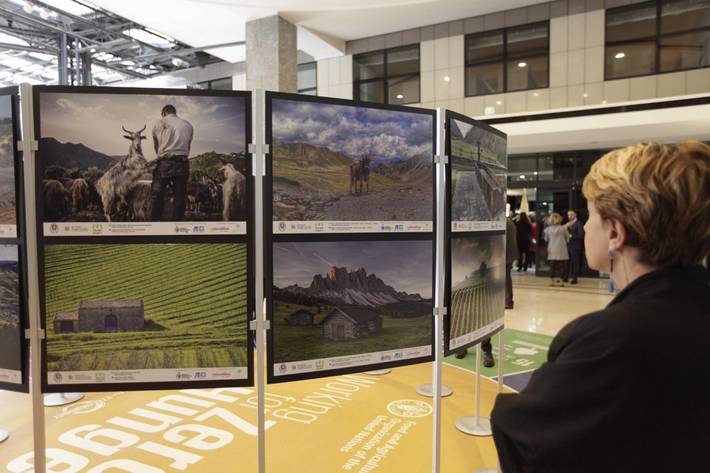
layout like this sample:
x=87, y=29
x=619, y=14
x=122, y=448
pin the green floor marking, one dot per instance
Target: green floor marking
x=524, y=351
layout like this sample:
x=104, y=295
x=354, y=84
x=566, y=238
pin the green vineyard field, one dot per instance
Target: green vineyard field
x=194, y=299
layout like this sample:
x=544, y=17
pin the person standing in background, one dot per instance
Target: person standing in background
x=523, y=232
x=532, y=249
x=511, y=251
x=556, y=237
x=575, y=245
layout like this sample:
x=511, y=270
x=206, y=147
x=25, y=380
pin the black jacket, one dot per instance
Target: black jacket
x=576, y=234
x=625, y=389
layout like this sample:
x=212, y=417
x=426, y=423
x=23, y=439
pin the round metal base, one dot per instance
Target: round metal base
x=3, y=436
x=487, y=470
x=427, y=390
x=379, y=372
x=472, y=425
x=61, y=399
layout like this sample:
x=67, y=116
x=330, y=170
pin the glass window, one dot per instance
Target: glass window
x=221, y=84
x=307, y=78
x=684, y=15
x=629, y=23
x=389, y=76
x=630, y=59
x=685, y=51
x=656, y=37
x=403, y=90
x=372, y=91
x=370, y=65
x=527, y=73
x=555, y=168
x=508, y=60
x=485, y=47
x=522, y=168
x=484, y=79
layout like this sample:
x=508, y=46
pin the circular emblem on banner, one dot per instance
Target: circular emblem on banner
x=58, y=377
x=84, y=407
x=409, y=408
x=54, y=228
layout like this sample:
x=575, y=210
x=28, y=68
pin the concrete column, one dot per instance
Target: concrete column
x=271, y=54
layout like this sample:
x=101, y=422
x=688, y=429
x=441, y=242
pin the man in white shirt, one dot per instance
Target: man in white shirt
x=172, y=138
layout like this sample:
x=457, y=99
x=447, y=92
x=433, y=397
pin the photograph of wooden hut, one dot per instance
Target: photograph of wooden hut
x=345, y=298
x=335, y=162
x=106, y=157
x=145, y=306
x=477, y=285
x=478, y=173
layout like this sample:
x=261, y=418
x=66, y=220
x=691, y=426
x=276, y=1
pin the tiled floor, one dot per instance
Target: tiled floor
x=543, y=309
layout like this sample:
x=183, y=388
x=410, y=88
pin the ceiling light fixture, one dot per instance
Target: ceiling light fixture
x=535, y=94
x=447, y=78
x=522, y=176
x=522, y=64
x=585, y=95
x=400, y=96
x=499, y=103
x=620, y=55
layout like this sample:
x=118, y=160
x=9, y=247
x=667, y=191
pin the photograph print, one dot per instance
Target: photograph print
x=347, y=304
x=478, y=177
x=145, y=312
x=127, y=158
x=10, y=323
x=8, y=210
x=477, y=288
x=347, y=168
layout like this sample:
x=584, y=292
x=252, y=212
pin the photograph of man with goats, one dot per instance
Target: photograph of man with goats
x=338, y=162
x=342, y=304
x=478, y=175
x=477, y=296
x=134, y=157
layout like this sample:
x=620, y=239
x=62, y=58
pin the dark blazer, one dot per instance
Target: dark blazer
x=576, y=234
x=625, y=389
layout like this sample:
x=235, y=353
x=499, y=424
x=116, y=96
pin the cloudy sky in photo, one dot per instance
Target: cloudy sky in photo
x=95, y=120
x=404, y=265
x=8, y=253
x=467, y=254
x=353, y=131
x=5, y=106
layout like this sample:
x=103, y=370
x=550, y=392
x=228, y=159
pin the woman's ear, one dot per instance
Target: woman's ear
x=616, y=233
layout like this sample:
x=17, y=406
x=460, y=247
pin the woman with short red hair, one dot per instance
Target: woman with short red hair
x=626, y=389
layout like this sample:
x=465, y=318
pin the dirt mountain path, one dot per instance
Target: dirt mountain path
x=381, y=204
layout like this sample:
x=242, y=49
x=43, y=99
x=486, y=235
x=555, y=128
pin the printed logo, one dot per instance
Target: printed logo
x=179, y=229
x=409, y=408
x=201, y=375
x=282, y=367
x=58, y=377
x=399, y=228
x=320, y=227
x=282, y=226
x=398, y=355
x=100, y=377
x=198, y=229
x=320, y=364
x=96, y=229
x=54, y=228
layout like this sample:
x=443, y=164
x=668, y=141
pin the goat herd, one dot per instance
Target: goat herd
x=122, y=193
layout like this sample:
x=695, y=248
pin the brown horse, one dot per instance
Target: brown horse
x=359, y=175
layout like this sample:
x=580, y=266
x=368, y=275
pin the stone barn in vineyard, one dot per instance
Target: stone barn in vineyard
x=350, y=322
x=102, y=316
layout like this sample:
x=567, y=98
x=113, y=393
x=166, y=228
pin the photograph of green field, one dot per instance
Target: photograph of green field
x=477, y=282
x=145, y=306
x=336, y=162
x=346, y=298
x=11, y=345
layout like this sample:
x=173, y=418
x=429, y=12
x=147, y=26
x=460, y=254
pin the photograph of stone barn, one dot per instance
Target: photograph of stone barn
x=102, y=316
x=350, y=322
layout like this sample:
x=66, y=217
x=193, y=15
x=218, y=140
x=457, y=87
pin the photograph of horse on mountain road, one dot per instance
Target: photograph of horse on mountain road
x=346, y=163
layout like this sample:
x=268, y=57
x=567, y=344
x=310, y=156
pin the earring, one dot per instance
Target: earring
x=611, y=260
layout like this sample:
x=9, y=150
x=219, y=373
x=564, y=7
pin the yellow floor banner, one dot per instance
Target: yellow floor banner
x=351, y=423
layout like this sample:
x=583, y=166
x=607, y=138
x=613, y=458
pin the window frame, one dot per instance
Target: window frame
x=656, y=39
x=505, y=58
x=384, y=79
x=305, y=90
x=209, y=82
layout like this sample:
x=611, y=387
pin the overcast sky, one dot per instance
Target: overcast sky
x=353, y=131
x=96, y=119
x=8, y=253
x=404, y=265
x=468, y=253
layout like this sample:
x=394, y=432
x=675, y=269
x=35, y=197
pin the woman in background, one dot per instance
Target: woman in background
x=556, y=237
x=625, y=389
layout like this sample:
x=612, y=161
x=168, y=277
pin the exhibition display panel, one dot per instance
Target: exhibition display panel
x=475, y=247
x=13, y=317
x=144, y=208
x=350, y=193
